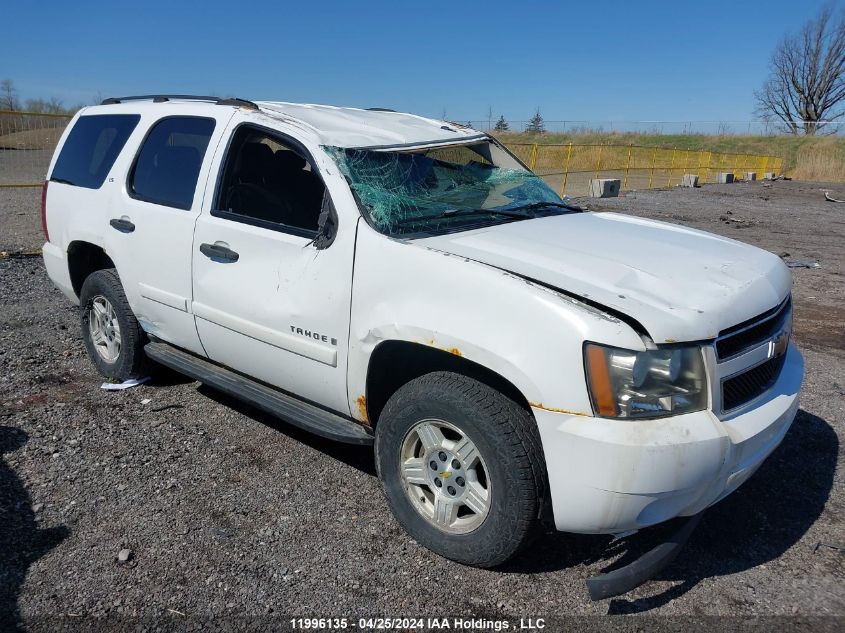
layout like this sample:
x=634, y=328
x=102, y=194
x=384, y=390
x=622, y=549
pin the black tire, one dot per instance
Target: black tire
x=507, y=437
x=131, y=362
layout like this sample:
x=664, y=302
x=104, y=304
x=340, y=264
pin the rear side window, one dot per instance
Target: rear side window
x=91, y=149
x=168, y=164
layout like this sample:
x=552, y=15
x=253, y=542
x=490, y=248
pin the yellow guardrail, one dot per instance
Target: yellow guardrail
x=27, y=141
x=569, y=167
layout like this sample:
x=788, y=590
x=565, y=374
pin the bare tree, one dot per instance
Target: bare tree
x=35, y=105
x=55, y=106
x=8, y=95
x=806, y=87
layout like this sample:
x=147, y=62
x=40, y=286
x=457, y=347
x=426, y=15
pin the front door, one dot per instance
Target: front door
x=268, y=302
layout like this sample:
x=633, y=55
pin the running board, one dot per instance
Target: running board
x=292, y=410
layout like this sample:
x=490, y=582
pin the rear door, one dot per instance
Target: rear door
x=151, y=221
x=268, y=300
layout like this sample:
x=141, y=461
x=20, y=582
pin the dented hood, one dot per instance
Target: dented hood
x=680, y=284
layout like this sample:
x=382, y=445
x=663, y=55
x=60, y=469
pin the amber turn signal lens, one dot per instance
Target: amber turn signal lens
x=599, y=377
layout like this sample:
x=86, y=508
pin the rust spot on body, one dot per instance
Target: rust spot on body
x=452, y=350
x=362, y=410
x=540, y=405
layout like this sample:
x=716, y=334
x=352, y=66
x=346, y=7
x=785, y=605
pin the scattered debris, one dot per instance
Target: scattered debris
x=837, y=546
x=19, y=254
x=124, y=555
x=38, y=507
x=801, y=263
x=830, y=198
x=742, y=223
x=126, y=384
x=146, y=401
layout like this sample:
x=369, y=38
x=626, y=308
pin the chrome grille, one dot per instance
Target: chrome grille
x=735, y=340
x=751, y=355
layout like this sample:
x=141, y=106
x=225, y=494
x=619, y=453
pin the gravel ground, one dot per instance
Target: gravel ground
x=223, y=511
x=20, y=219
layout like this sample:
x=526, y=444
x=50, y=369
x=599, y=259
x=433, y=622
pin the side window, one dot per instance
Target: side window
x=91, y=149
x=268, y=182
x=168, y=164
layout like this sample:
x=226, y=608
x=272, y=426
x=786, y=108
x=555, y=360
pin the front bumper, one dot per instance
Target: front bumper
x=612, y=476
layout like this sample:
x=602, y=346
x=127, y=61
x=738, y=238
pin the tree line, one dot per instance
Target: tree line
x=10, y=100
x=535, y=126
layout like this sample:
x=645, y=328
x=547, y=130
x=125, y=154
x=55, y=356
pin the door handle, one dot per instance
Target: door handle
x=124, y=225
x=219, y=252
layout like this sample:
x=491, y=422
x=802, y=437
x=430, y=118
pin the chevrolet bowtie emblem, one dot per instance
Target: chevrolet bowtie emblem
x=779, y=344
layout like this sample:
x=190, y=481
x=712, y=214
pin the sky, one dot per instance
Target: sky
x=592, y=61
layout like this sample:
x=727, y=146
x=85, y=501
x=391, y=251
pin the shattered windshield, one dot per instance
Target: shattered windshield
x=444, y=188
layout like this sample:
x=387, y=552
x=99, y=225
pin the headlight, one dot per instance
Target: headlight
x=650, y=384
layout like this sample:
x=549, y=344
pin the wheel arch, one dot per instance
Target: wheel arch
x=395, y=362
x=84, y=258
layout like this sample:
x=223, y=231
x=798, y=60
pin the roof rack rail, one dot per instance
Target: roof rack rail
x=380, y=110
x=162, y=98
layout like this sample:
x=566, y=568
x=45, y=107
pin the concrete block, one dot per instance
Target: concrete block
x=689, y=180
x=604, y=187
x=769, y=175
x=751, y=175
x=725, y=177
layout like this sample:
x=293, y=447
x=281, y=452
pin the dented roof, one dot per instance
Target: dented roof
x=334, y=126
x=354, y=127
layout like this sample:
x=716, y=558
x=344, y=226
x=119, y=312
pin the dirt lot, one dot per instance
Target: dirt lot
x=228, y=512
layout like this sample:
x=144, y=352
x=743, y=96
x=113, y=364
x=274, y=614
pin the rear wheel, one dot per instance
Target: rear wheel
x=462, y=468
x=113, y=338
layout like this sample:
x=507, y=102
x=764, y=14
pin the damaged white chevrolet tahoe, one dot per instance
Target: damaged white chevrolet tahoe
x=382, y=278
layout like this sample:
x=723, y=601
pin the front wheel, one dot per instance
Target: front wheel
x=462, y=468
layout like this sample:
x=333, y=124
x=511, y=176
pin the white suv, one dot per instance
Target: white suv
x=382, y=278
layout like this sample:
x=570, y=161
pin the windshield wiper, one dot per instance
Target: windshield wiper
x=451, y=213
x=541, y=205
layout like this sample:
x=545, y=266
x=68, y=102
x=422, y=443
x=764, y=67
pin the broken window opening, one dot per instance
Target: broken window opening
x=441, y=188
